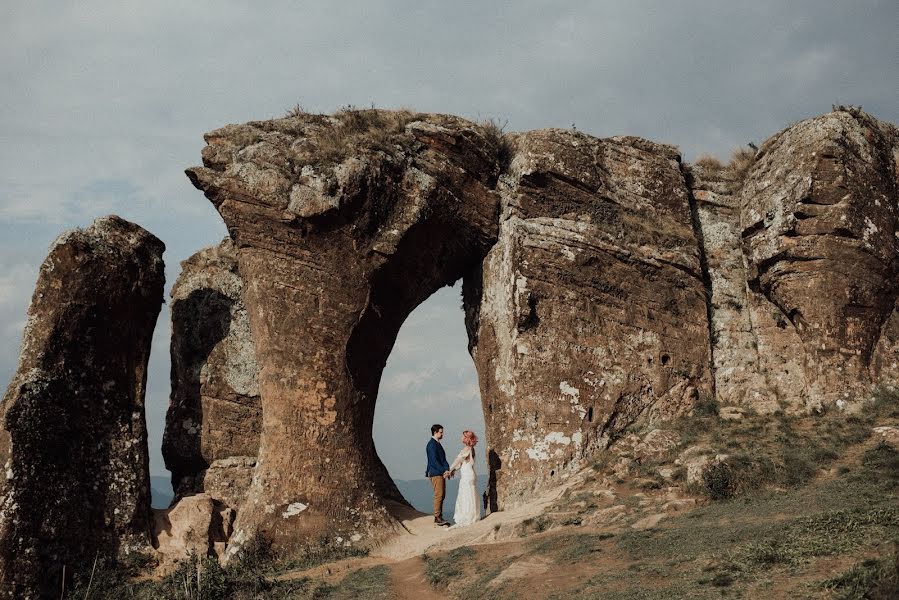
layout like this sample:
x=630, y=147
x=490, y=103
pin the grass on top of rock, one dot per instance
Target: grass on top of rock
x=741, y=160
x=375, y=129
x=368, y=128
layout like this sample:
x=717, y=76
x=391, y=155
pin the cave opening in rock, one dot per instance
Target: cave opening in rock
x=429, y=378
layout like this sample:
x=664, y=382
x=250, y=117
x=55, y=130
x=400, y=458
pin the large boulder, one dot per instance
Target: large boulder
x=214, y=416
x=590, y=310
x=73, y=440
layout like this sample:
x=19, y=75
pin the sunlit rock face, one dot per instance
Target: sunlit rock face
x=754, y=356
x=73, y=440
x=343, y=226
x=214, y=416
x=818, y=220
x=590, y=309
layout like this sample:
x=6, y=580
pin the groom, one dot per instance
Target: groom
x=438, y=471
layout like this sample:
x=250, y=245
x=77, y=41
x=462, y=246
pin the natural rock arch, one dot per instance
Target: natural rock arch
x=335, y=252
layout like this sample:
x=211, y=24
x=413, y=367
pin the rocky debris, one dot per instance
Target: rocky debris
x=888, y=434
x=590, y=309
x=73, y=440
x=655, y=445
x=343, y=225
x=818, y=225
x=214, y=416
x=648, y=522
x=731, y=413
x=195, y=525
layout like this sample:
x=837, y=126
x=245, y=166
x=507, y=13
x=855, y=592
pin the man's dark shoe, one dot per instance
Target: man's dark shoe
x=439, y=521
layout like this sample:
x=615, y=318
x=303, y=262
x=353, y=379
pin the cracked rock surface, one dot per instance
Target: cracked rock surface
x=73, y=439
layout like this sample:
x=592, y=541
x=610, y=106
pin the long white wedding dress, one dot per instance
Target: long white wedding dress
x=468, y=506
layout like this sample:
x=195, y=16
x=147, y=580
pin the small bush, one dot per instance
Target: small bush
x=736, y=475
x=296, y=111
x=534, y=525
x=197, y=579
x=495, y=132
x=706, y=406
x=707, y=161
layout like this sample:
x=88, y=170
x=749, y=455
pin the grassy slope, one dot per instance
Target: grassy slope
x=801, y=507
x=808, y=508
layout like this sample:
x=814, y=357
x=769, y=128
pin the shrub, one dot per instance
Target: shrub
x=495, y=132
x=296, y=111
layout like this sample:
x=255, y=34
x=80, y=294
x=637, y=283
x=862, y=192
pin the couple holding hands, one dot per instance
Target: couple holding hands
x=468, y=509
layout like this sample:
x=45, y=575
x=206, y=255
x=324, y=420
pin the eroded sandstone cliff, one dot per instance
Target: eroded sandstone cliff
x=590, y=310
x=73, y=439
x=605, y=281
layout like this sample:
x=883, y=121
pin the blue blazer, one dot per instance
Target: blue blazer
x=437, y=464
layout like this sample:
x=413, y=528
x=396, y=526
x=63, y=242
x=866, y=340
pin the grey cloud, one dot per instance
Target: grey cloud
x=103, y=104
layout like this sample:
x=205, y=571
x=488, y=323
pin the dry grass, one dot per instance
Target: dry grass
x=495, y=132
x=741, y=160
x=707, y=161
x=364, y=127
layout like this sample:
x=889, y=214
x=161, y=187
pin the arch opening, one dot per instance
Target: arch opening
x=429, y=378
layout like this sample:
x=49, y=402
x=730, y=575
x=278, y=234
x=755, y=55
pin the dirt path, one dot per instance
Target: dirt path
x=402, y=554
x=408, y=580
x=421, y=535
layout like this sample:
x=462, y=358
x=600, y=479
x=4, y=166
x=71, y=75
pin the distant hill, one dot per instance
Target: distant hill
x=161, y=491
x=421, y=496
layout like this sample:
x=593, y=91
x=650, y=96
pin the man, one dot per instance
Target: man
x=438, y=471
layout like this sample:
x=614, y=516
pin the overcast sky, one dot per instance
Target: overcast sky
x=103, y=105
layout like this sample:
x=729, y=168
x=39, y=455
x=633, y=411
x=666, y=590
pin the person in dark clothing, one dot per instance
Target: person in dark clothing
x=438, y=471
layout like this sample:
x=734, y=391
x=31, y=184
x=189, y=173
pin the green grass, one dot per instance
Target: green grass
x=440, y=570
x=250, y=575
x=870, y=579
x=571, y=548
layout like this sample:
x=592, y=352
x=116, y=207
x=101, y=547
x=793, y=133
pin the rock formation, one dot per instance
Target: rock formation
x=214, y=417
x=590, y=309
x=73, y=439
x=819, y=223
x=343, y=225
x=605, y=282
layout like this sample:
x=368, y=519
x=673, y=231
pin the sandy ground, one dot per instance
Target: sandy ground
x=421, y=535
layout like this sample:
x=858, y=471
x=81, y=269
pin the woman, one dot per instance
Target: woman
x=468, y=508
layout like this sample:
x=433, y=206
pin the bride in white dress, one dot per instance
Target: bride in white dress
x=468, y=506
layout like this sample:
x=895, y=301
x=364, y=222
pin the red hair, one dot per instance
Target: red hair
x=469, y=438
